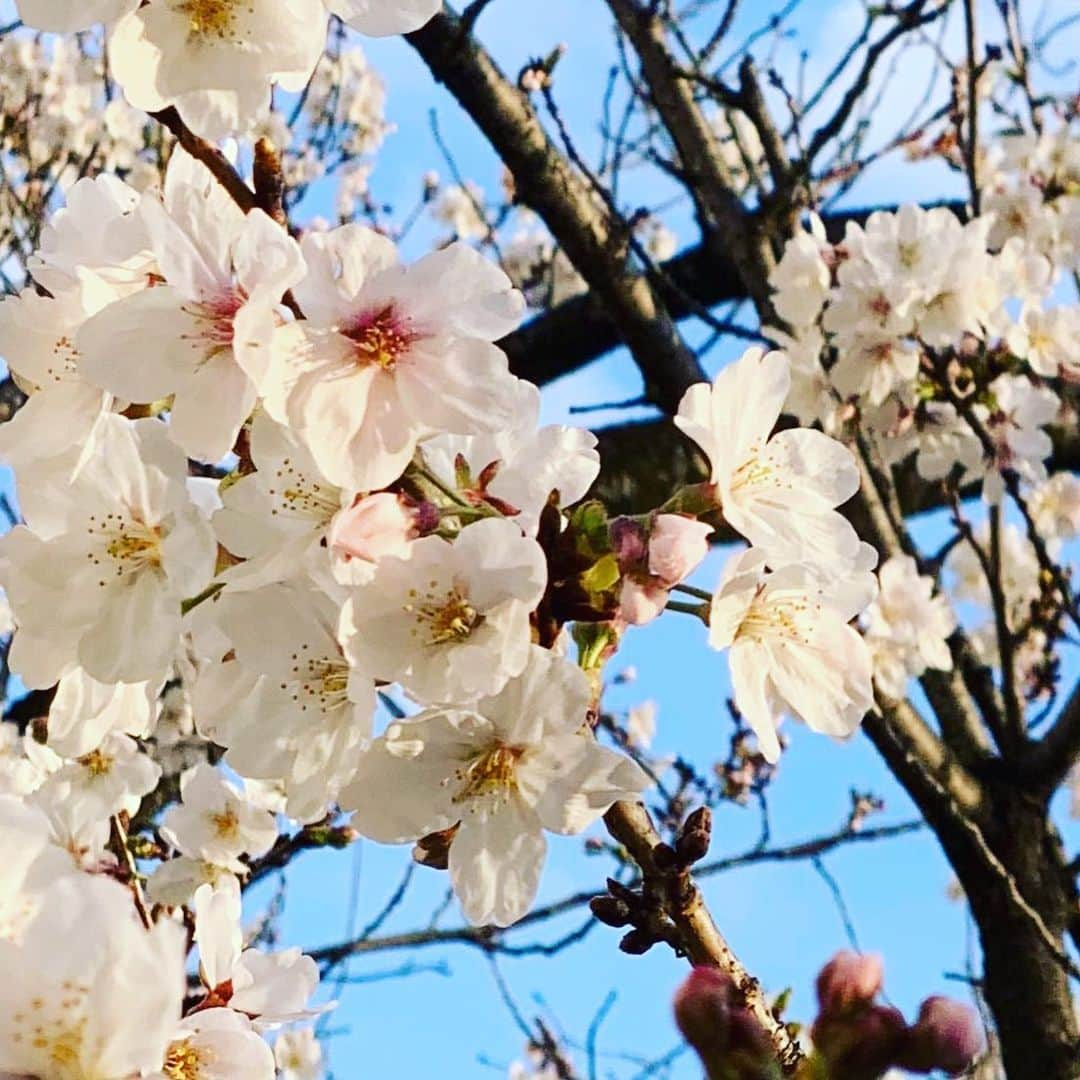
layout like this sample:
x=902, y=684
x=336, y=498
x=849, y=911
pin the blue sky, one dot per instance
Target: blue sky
x=782, y=920
x=447, y=1021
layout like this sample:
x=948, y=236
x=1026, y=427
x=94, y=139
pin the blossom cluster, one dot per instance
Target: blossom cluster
x=948, y=346
x=269, y=483
x=216, y=61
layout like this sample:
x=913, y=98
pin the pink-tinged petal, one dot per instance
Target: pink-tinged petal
x=458, y=385
x=138, y=347
x=456, y=291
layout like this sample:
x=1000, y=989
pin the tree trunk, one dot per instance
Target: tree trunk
x=1025, y=985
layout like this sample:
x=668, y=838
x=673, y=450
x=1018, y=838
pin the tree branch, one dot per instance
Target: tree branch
x=579, y=330
x=492, y=938
x=1050, y=760
x=630, y=824
x=544, y=181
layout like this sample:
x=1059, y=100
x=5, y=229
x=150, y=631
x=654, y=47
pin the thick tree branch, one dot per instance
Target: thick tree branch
x=1051, y=759
x=702, y=166
x=545, y=182
x=579, y=330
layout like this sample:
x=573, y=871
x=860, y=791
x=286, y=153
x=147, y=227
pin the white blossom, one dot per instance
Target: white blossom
x=387, y=353
x=503, y=770
x=215, y=822
x=70, y=1012
x=907, y=626
x=131, y=549
x=791, y=648
x=779, y=492
x=450, y=622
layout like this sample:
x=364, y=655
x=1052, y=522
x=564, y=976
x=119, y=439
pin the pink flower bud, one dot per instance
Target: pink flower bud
x=641, y=601
x=860, y=1044
x=374, y=526
x=848, y=980
x=729, y=1040
x=703, y=1007
x=677, y=544
x=628, y=539
x=946, y=1036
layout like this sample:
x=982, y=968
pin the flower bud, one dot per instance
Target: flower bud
x=703, y=1009
x=610, y=910
x=693, y=841
x=729, y=1040
x=860, y=1044
x=946, y=1036
x=847, y=981
x=375, y=526
x=640, y=601
x=636, y=942
x=628, y=541
x=677, y=544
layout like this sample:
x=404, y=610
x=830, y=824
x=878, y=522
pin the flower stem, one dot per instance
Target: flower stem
x=700, y=610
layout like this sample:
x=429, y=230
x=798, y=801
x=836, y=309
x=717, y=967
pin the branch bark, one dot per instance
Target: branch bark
x=580, y=330
x=545, y=182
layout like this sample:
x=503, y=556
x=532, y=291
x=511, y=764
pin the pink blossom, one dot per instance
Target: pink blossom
x=373, y=527
x=677, y=544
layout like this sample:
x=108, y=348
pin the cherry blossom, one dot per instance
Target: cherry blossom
x=450, y=622
x=215, y=62
x=791, y=648
x=223, y=272
x=89, y=1023
x=387, y=353
x=518, y=468
x=132, y=549
x=779, y=492
x=907, y=626
x=290, y=707
x=216, y=822
x=504, y=770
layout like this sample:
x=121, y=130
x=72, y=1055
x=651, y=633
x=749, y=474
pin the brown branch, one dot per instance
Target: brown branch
x=579, y=330
x=544, y=181
x=702, y=167
x=218, y=164
x=492, y=939
x=1050, y=760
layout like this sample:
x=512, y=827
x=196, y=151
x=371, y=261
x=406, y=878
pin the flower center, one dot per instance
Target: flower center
x=54, y=1029
x=754, y=470
x=296, y=495
x=96, y=763
x=226, y=824
x=444, y=620
x=132, y=545
x=183, y=1062
x=65, y=359
x=381, y=337
x=321, y=681
x=494, y=772
x=209, y=18
x=214, y=322
x=777, y=617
